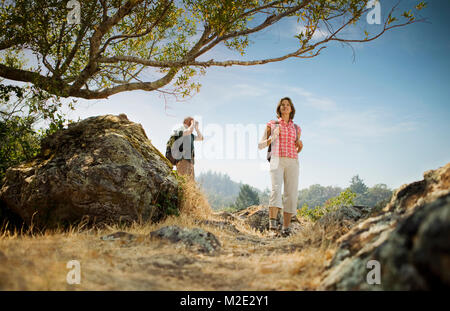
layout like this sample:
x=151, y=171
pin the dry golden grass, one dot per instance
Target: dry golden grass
x=249, y=260
x=194, y=201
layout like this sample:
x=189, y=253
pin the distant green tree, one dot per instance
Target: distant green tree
x=379, y=194
x=317, y=195
x=357, y=185
x=247, y=197
x=376, y=195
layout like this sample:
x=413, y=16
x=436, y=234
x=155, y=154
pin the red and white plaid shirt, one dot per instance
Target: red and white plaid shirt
x=284, y=145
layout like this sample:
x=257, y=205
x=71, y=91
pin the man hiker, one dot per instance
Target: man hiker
x=185, y=164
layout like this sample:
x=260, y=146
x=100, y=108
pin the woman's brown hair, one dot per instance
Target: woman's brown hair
x=292, y=114
x=188, y=120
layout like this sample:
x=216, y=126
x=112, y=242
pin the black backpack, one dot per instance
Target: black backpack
x=269, y=150
x=169, y=145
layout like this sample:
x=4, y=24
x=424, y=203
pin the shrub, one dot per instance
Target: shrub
x=345, y=198
x=21, y=109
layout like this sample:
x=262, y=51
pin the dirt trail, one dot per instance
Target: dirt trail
x=247, y=260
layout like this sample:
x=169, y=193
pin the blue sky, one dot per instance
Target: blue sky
x=383, y=115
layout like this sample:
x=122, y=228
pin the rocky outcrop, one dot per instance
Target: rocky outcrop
x=350, y=214
x=410, y=240
x=198, y=238
x=103, y=170
x=222, y=225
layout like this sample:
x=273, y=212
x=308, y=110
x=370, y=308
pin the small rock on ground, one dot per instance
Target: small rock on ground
x=205, y=241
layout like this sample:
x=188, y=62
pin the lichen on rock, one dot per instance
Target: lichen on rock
x=103, y=169
x=409, y=239
x=203, y=240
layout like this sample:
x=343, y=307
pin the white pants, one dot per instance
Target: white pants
x=287, y=170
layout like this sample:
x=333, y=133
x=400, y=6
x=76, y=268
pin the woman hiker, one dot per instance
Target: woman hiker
x=284, y=137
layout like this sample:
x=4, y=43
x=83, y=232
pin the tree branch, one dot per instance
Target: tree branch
x=49, y=84
x=95, y=41
x=144, y=86
x=270, y=20
x=146, y=32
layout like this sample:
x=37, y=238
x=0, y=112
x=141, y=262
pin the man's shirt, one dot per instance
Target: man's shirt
x=187, y=141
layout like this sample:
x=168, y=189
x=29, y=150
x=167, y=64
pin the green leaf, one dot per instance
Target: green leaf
x=421, y=5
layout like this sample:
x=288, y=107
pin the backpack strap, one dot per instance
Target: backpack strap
x=275, y=122
x=296, y=132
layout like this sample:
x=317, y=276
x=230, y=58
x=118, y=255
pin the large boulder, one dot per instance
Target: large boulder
x=409, y=240
x=103, y=169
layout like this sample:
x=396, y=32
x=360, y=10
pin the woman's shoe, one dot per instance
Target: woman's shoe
x=285, y=232
x=273, y=225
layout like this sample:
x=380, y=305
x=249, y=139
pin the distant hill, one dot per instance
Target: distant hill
x=222, y=191
x=219, y=188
